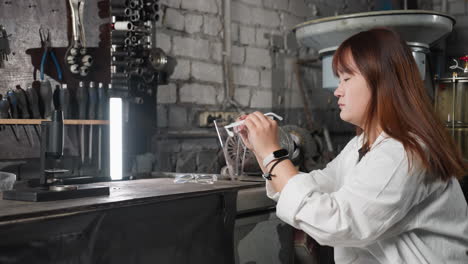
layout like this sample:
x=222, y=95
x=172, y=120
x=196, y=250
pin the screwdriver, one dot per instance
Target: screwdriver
x=33, y=103
x=23, y=109
x=4, y=113
x=82, y=98
x=3, y=110
x=91, y=116
x=46, y=96
x=33, y=100
x=101, y=106
x=64, y=100
x=22, y=103
x=13, y=110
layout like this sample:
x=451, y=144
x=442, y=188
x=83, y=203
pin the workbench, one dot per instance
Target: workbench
x=141, y=221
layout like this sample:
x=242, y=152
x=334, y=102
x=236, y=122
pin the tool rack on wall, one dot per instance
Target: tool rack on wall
x=38, y=122
x=136, y=69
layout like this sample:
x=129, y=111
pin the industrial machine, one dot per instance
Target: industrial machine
x=451, y=104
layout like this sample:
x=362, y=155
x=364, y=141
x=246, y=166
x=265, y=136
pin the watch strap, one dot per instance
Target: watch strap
x=267, y=176
x=268, y=159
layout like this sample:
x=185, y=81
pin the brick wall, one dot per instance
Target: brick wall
x=263, y=52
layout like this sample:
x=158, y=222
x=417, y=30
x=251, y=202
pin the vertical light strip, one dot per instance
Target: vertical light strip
x=115, y=133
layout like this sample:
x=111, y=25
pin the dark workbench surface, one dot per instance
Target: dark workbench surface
x=122, y=193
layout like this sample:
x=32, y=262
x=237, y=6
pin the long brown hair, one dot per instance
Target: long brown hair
x=399, y=102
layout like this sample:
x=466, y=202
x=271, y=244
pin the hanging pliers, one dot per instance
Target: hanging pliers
x=46, y=45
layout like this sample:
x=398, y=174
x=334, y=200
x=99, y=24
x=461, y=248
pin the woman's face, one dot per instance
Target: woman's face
x=353, y=95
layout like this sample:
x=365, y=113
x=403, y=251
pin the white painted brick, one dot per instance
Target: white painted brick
x=240, y=12
x=182, y=70
x=163, y=41
x=247, y=35
x=234, y=32
x=260, y=38
x=177, y=116
x=299, y=8
x=276, y=4
x=253, y=2
x=245, y=76
x=220, y=95
x=208, y=6
x=198, y=93
x=174, y=19
x=171, y=3
x=161, y=116
x=261, y=99
x=265, y=17
x=193, y=23
x=212, y=25
x=258, y=57
x=167, y=94
x=289, y=21
x=237, y=55
x=207, y=72
x=457, y=8
x=242, y=96
x=265, y=78
x=216, y=51
x=196, y=48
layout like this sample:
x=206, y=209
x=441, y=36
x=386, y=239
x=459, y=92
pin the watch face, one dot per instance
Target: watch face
x=280, y=153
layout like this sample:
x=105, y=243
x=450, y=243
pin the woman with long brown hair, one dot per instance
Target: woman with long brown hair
x=392, y=194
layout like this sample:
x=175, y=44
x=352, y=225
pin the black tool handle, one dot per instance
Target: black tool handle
x=46, y=96
x=4, y=108
x=13, y=104
x=33, y=102
x=22, y=103
x=65, y=100
x=54, y=143
x=102, y=102
x=82, y=99
x=92, y=101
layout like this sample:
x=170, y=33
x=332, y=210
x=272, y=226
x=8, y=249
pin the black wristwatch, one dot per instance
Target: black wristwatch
x=280, y=153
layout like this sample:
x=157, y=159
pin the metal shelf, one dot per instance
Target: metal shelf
x=38, y=122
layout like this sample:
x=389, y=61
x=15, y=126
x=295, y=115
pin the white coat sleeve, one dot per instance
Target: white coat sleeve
x=326, y=179
x=377, y=195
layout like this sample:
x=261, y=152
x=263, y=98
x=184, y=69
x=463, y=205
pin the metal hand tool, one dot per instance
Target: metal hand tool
x=13, y=104
x=22, y=102
x=13, y=109
x=46, y=97
x=77, y=56
x=23, y=110
x=82, y=98
x=101, y=115
x=64, y=100
x=4, y=46
x=56, y=98
x=91, y=116
x=33, y=101
x=5, y=113
x=46, y=45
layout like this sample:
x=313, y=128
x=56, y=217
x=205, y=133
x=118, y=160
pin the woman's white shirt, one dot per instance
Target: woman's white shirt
x=378, y=210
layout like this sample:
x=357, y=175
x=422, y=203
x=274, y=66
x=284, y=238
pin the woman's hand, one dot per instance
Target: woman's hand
x=260, y=134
